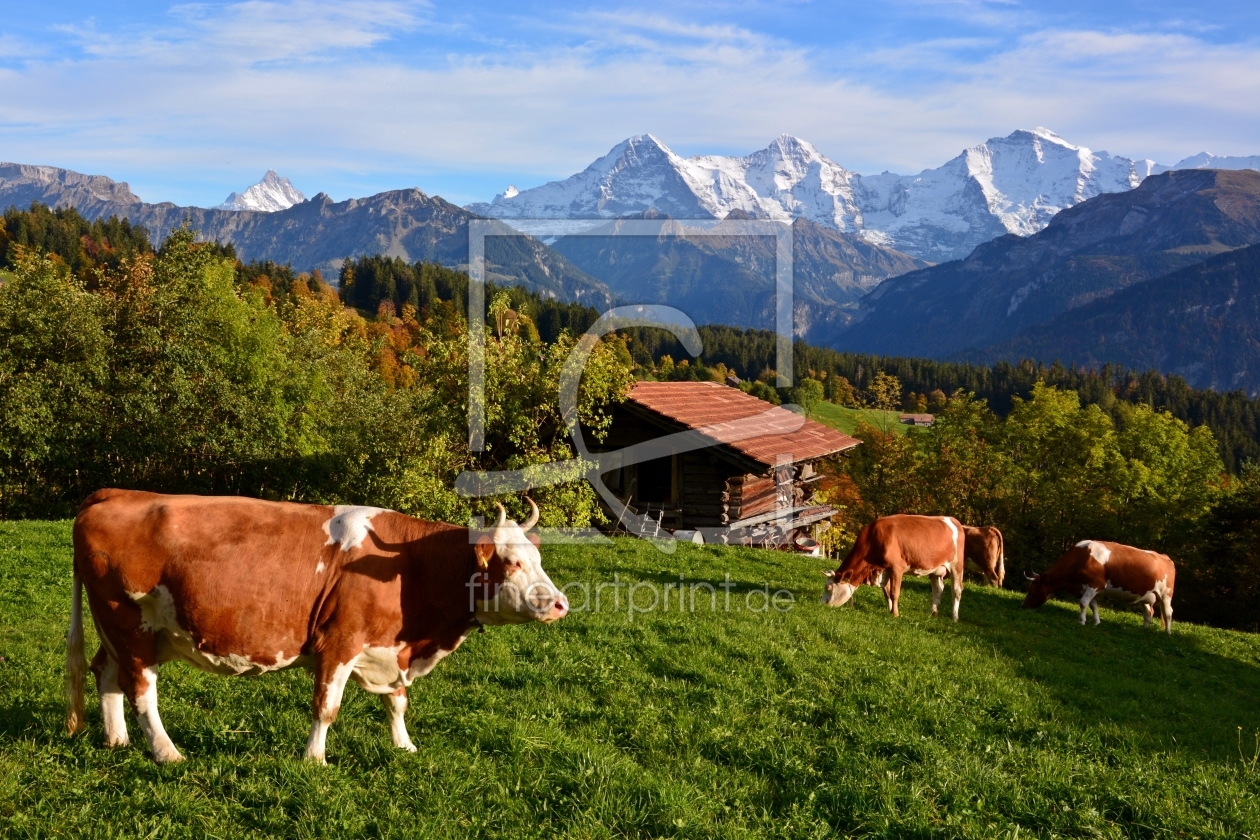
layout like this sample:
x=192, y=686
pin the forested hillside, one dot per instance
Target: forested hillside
x=186, y=370
x=1202, y=322
x=1233, y=417
x=684, y=266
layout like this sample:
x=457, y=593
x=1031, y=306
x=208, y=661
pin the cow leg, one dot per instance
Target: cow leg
x=395, y=708
x=106, y=670
x=885, y=586
x=894, y=592
x=1087, y=598
x=956, y=585
x=938, y=587
x=330, y=684
x=1165, y=610
x=1094, y=604
x=139, y=683
x=1148, y=610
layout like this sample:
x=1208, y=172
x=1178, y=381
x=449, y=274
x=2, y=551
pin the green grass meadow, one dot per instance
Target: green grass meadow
x=811, y=722
x=846, y=419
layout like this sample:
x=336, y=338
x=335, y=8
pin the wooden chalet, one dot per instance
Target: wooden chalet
x=753, y=482
x=917, y=419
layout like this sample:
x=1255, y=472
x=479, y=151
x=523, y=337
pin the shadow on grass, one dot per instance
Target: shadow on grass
x=1171, y=692
x=40, y=721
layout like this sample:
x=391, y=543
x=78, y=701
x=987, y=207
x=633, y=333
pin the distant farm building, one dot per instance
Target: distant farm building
x=747, y=474
x=917, y=419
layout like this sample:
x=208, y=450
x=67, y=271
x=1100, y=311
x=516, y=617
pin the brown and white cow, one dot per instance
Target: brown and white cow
x=242, y=586
x=1093, y=567
x=892, y=546
x=984, y=551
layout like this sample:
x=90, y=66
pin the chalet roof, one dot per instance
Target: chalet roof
x=777, y=435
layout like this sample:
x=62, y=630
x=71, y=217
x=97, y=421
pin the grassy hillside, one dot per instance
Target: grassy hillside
x=807, y=723
x=846, y=419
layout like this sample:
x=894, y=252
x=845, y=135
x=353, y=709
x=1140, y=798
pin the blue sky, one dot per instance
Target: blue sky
x=187, y=102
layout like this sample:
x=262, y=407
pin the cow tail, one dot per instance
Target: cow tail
x=1001, y=569
x=76, y=662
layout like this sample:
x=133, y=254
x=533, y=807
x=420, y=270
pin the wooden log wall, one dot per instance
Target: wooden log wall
x=751, y=495
x=704, y=497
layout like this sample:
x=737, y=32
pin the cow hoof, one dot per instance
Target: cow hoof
x=168, y=758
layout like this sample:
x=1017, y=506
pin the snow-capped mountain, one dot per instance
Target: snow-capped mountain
x=638, y=174
x=1203, y=160
x=789, y=179
x=270, y=194
x=1011, y=184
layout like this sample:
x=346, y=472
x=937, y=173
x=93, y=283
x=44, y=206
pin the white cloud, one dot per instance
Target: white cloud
x=216, y=91
x=254, y=31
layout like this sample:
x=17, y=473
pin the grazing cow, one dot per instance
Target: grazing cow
x=985, y=552
x=1092, y=568
x=891, y=546
x=241, y=586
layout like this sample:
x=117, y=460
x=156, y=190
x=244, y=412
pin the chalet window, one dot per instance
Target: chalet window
x=656, y=480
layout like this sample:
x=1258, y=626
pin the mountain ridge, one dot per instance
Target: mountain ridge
x=1085, y=253
x=318, y=233
x=1012, y=184
x=719, y=277
x=268, y=195
x=1201, y=323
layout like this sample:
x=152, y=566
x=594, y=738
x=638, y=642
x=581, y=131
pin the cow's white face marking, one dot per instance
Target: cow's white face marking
x=349, y=526
x=527, y=593
x=838, y=594
x=1099, y=552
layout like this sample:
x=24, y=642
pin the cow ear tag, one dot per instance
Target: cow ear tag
x=484, y=549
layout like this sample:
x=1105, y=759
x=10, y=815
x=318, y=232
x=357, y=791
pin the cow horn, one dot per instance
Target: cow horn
x=533, y=515
x=1029, y=577
x=502, y=515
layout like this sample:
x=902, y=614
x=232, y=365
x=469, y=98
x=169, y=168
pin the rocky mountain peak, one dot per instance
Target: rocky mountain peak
x=270, y=194
x=1012, y=184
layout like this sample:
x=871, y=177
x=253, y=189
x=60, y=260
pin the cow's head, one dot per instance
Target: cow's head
x=839, y=589
x=1038, y=592
x=509, y=555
